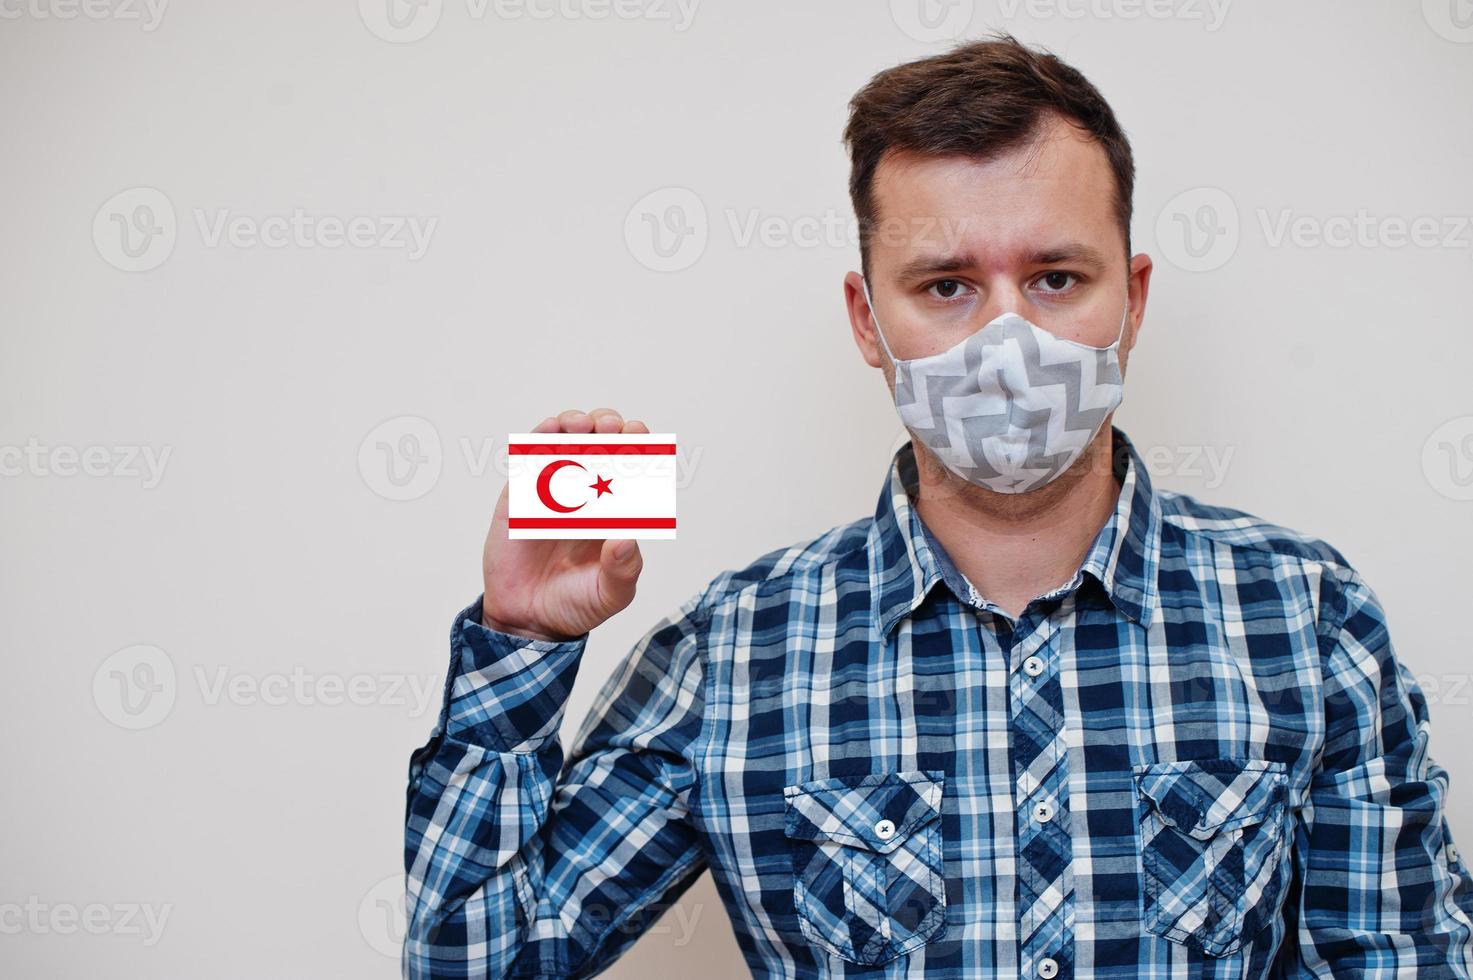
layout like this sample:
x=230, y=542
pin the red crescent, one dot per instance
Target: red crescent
x=544, y=485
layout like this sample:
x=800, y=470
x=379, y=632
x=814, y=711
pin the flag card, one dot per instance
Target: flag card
x=591, y=485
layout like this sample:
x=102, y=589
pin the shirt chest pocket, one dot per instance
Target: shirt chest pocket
x=867, y=864
x=1212, y=849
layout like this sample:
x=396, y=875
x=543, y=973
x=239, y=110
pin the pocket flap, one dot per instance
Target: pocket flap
x=861, y=810
x=1204, y=796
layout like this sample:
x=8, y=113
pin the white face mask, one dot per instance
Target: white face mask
x=1011, y=406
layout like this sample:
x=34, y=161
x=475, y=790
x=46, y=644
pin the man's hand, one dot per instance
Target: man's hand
x=558, y=590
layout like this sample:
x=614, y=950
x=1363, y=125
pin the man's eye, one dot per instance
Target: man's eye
x=946, y=288
x=1057, y=282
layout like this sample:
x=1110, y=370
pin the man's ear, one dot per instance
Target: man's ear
x=861, y=323
x=1138, y=288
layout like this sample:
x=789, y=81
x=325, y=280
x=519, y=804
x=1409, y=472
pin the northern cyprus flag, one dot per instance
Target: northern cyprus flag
x=587, y=485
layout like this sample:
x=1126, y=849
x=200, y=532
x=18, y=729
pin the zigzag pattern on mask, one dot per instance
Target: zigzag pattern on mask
x=998, y=414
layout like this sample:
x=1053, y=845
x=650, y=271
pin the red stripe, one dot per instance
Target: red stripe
x=589, y=448
x=593, y=522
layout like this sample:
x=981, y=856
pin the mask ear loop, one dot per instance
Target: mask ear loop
x=878, y=332
x=1120, y=334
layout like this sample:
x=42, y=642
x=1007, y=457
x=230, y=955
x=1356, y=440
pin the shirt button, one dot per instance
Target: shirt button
x=1452, y=853
x=1043, y=812
x=884, y=830
x=1033, y=666
x=1048, y=968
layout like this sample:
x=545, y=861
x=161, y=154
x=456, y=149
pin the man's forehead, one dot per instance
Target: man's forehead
x=1052, y=193
x=1052, y=145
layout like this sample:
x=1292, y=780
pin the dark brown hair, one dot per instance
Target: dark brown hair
x=979, y=100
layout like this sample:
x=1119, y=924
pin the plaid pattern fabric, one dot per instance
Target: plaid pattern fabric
x=868, y=874
x=1198, y=758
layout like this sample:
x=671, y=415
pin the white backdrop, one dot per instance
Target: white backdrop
x=245, y=247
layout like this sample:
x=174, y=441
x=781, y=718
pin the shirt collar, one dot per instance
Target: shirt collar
x=906, y=561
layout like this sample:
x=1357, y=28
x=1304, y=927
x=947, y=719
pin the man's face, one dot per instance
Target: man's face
x=961, y=242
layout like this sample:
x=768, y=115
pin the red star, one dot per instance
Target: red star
x=601, y=485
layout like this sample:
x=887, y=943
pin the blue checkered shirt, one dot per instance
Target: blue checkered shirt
x=1198, y=758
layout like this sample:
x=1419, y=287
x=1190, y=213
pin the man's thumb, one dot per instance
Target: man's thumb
x=619, y=564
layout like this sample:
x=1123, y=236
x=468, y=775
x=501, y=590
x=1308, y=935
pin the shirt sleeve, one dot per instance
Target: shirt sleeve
x=1381, y=890
x=520, y=865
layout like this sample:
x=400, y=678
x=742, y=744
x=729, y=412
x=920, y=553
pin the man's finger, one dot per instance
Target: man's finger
x=575, y=420
x=606, y=420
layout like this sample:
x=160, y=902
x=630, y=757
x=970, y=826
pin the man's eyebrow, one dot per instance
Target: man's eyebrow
x=930, y=265
x=1069, y=252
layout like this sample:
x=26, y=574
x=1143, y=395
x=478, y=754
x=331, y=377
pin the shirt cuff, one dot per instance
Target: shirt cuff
x=507, y=692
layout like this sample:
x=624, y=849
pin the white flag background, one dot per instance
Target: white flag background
x=585, y=485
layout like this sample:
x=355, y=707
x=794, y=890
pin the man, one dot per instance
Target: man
x=1034, y=717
